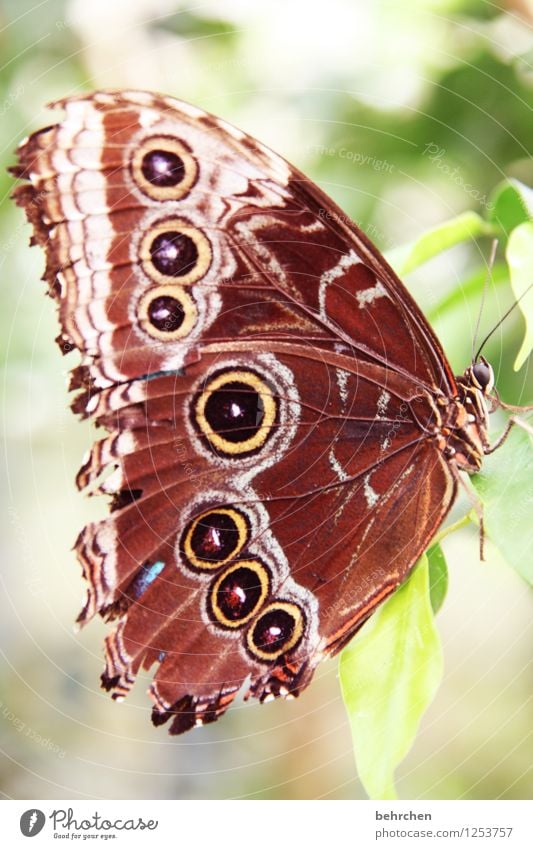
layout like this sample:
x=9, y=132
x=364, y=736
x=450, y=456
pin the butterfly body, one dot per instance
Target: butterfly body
x=284, y=432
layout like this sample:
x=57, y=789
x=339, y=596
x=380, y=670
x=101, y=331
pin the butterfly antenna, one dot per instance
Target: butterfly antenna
x=484, y=296
x=502, y=319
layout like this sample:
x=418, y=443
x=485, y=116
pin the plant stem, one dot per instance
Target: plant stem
x=461, y=523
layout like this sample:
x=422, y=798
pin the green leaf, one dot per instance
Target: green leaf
x=505, y=487
x=471, y=289
x=389, y=674
x=511, y=203
x=519, y=255
x=438, y=576
x=466, y=226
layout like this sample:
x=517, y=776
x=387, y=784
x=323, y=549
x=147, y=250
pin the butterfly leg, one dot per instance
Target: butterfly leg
x=514, y=420
x=477, y=506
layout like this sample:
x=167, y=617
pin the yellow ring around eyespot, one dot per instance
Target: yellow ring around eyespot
x=180, y=295
x=269, y=412
x=299, y=622
x=179, y=225
x=210, y=565
x=162, y=193
x=264, y=582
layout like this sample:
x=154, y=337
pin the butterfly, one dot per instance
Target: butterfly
x=283, y=432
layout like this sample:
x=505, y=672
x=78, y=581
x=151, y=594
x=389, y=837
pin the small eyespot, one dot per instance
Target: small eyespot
x=173, y=253
x=235, y=412
x=238, y=593
x=164, y=168
x=278, y=629
x=175, y=250
x=213, y=538
x=167, y=313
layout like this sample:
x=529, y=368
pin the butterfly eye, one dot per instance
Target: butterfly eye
x=213, y=538
x=173, y=249
x=279, y=628
x=237, y=594
x=167, y=313
x=164, y=168
x=236, y=412
x=483, y=375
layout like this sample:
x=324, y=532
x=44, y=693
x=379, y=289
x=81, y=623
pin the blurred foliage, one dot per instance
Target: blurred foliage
x=504, y=490
x=409, y=115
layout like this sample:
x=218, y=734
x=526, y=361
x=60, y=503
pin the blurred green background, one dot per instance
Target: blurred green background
x=407, y=114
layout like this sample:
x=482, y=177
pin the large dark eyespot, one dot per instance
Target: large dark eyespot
x=483, y=375
x=236, y=595
x=175, y=250
x=235, y=412
x=214, y=537
x=173, y=254
x=167, y=312
x=279, y=628
x=164, y=168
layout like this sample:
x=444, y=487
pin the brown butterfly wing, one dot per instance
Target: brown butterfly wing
x=282, y=257
x=270, y=391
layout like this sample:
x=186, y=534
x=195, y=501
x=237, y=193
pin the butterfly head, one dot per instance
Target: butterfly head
x=470, y=433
